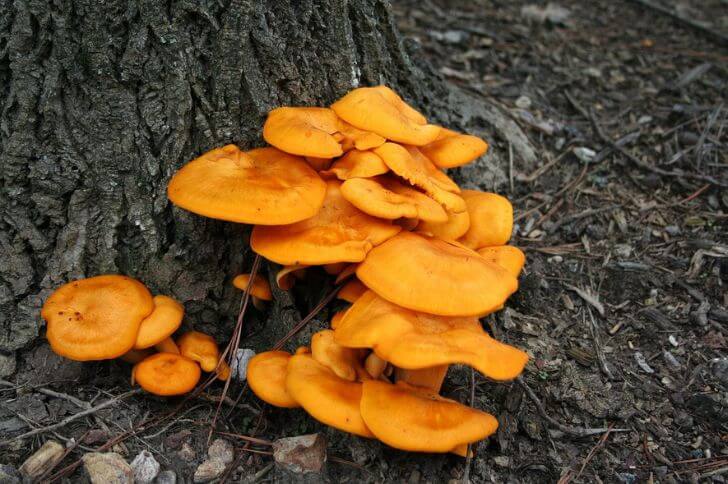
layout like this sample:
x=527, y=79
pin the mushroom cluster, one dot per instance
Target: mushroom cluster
x=360, y=189
x=114, y=316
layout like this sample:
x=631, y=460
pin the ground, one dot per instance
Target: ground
x=622, y=305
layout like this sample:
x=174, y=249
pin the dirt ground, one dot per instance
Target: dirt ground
x=623, y=304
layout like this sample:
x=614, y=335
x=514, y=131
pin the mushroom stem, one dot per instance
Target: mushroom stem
x=167, y=346
x=258, y=303
x=374, y=365
x=135, y=356
x=431, y=378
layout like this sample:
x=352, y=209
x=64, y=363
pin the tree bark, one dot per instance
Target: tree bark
x=100, y=102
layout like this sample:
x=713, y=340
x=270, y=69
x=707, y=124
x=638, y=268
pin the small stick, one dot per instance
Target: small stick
x=589, y=298
x=75, y=416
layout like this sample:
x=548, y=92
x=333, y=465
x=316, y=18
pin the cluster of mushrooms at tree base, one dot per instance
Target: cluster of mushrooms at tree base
x=358, y=189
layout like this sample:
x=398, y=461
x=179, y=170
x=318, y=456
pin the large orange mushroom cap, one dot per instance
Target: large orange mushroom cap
x=264, y=186
x=491, y=219
x=508, y=257
x=260, y=287
x=381, y=111
x=166, y=374
x=387, y=198
x=413, y=166
x=414, y=340
x=346, y=363
x=453, y=149
x=416, y=419
x=303, y=131
x=97, y=318
x=435, y=276
x=340, y=232
x=201, y=348
x=326, y=397
x=456, y=225
x=158, y=326
x=357, y=164
x=266, y=376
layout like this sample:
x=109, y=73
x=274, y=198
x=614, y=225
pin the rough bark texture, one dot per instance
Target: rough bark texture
x=100, y=102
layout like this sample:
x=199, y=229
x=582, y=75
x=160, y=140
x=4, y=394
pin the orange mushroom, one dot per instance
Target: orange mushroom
x=96, y=318
x=167, y=345
x=264, y=186
x=416, y=419
x=346, y=363
x=338, y=233
x=435, y=276
x=491, y=219
x=166, y=374
x=161, y=324
x=201, y=348
x=336, y=319
x=508, y=257
x=135, y=356
x=286, y=277
x=351, y=137
x=352, y=290
x=303, y=131
x=326, y=397
x=266, y=376
x=259, y=290
x=381, y=111
x=452, y=149
x=456, y=225
x=386, y=197
x=357, y=164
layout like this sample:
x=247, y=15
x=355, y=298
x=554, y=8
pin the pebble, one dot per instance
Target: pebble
x=42, y=460
x=107, y=468
x=642, y=363
x=523, y=102
x=145, y=467
x=302, y=454
x=221, y=450
x=166, y=477
x=208, y=471
x=7, y=364
x=586, y=155
x=186, y=452
x=9, y=475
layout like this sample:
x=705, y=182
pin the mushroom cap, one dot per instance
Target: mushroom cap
x=456, y=225
x=491, y=219
x=435, y=276
x=453, y=149
x=201, y=348
x=158, y=326
x=352, y=137
x=303, y=131
x=286, y=277
x=416, y=419
x=318, y=164
x=340, y=232
x=260, y=287
x=387, y=198
x=357, y=164
x=166, y=374
x=264, y=186
x=381, y=111
x=346, y=363
x=326, y=397
x=408, y=163
x=336, y=318
x=97, y=318
x=267, y=378
x=508, y=257
x=414, y=340
x=352, y=291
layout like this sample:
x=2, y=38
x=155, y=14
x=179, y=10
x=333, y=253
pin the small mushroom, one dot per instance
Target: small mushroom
x=135, y=356
x=167, y=345
x=287, y=276
x=507, y=256
x=259, y=290
x=351, y=137
x=252, y=187
x=266, y=376
x=339, y=232
x=357, y=164
x=416, y=419
x=96, y=318
x=374, y=365
x=452, y=149
x=456, y=225
x=435, y=276
x=381, y=111
x=201, y=348
x=165, y=319
x=166, y=374
x=303, y=131
x=346, y=363
x=352, y=290
x=491, y=219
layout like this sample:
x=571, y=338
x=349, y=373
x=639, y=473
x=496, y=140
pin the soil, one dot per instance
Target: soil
x=623, y=304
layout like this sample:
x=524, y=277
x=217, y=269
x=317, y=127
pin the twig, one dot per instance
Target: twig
x=589, y=298
x=73, y=417
x=567, y=478
x=51, y=393
x=578, y=216
x=598, y=347
x=579, y=432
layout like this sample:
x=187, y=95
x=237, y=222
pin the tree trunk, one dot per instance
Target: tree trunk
x=100, y=102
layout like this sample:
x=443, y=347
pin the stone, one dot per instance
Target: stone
x=166, y=477
x=186, y=452
x=107, y=468
x=9, y=475
x=552, y=12
x=7, y=364
x=45, y=458
x=239, y=367
x=145, y=467
x=221, y=450
x=301, y=455
x=209, y=470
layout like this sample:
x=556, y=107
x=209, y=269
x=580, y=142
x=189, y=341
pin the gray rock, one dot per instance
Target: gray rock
x=301, y=455
x=221, y=450
x=553, y=13
x=239, y=367
x=145, y=467
x=166, y=477
x=7, y=364
x=9, y=475
x=45, y=458
x=107, y=468
x=209, y=470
